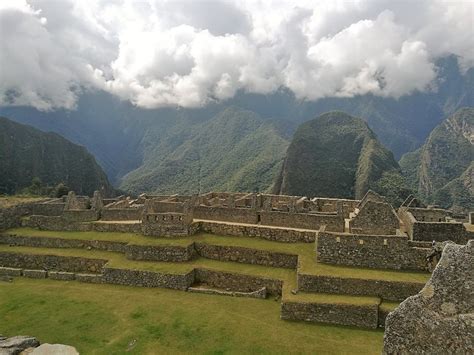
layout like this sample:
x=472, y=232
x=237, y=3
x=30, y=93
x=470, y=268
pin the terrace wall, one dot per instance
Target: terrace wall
x=142, y=278
x=268, y=233
x=160, y=253
x=237, y=282
x=387, y=290
x=46, y=242
x=51, y=262
x=365, y=316
x=246, y=255
x=373, y=251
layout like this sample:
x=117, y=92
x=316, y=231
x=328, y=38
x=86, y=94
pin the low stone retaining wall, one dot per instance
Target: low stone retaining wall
x=268, y=233
x=160, y=253
x=116, y=227
x=237, y=282
x=261, y=294
x=387, y=290
x=373, y=251
x=246, y=255
x=142, y=278
x=62, y=276
x=35, y=274
x=365, y=316
x=47, y=242
x=54, y=275
x=58, y=223
x=51, y=262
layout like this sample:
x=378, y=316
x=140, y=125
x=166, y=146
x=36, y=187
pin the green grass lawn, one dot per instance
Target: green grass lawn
x=306, y=252
x=110, y=319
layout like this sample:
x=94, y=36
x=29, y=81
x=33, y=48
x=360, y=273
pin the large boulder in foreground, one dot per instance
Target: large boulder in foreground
x=439, y=319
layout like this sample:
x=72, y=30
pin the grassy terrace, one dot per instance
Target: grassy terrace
x=307, y=255
x=111, y=319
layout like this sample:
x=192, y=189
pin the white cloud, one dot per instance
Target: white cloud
x=186, y=53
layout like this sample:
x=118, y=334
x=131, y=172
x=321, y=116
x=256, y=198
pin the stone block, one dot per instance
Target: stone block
x=89, y=278
x=35, y=274
x=10, y=271
x=60, y=275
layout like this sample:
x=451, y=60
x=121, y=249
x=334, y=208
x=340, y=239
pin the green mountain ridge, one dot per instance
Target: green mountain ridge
x=236, y=150
x=27, y=153
x=441, y=171
x=337, y=155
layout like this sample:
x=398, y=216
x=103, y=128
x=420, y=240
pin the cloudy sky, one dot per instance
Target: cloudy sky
x=188, y=52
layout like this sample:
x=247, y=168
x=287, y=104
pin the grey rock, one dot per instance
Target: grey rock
x=15, y=345
x=440, y=318
x=52, y=349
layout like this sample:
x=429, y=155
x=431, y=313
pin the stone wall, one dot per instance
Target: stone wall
x=237, y=282
x=142, y=278
x=387, y=290
x=49, y=208
x=246, y=255
x=313, y=221
x=439, y=231
x=80, y=215
x=373, y=251
x=45, y=242
x=10, y=217
x=54, y=223
x=365, y=316
x=116, y=227
x=429, y=231
x=160, y=253
x=236, y=215
x=121, y=214
x=429, y=214
x=268, y=233
x=375, y=218
x=58, y=223
x=51, y=262
x=168, y=230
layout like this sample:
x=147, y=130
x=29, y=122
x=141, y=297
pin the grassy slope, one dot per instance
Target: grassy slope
x=26, y=152
x=235, y=151
x=105, y=319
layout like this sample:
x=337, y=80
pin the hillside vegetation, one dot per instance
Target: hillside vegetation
x=442, y=169
x=27, y=154
x=234, y=151
x=337, y=155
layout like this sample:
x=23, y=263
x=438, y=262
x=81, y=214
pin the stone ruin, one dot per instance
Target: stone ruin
x=366, y=233
x=440, y=318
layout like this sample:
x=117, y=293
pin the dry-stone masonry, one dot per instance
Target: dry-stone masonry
x=439, y=319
